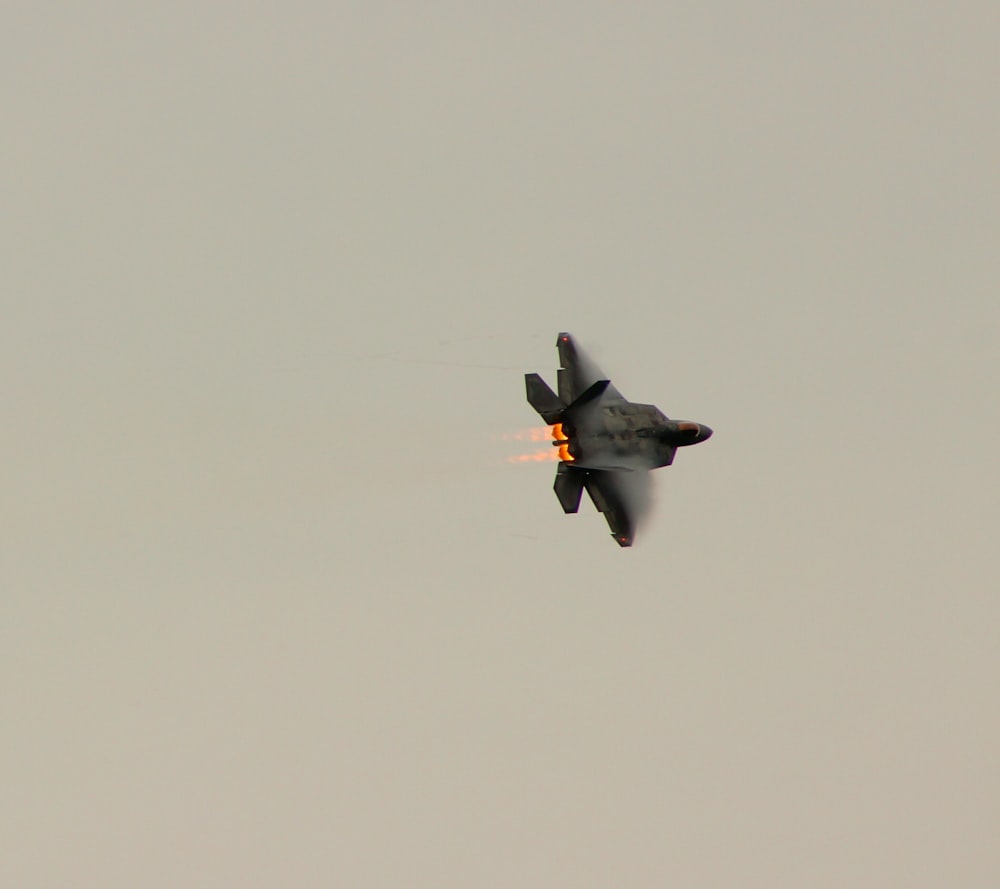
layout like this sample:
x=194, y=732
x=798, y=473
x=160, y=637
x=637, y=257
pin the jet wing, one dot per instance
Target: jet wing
x=623, y=497
x=578, y=372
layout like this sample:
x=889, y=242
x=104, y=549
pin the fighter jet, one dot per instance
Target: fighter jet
x=607, y=444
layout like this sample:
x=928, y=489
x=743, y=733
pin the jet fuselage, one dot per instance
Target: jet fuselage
x=631, y=434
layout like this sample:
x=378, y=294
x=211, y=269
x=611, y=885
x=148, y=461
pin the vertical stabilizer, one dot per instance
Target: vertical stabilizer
x=543, y=399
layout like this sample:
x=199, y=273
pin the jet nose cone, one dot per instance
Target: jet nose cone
x=681, y=433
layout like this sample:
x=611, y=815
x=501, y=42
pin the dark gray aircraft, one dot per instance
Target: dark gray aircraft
x=607, y=444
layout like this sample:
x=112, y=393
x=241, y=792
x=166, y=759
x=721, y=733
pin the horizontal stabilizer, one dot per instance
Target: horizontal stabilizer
x=569, y=487
x=543, y=399
x=591, y=394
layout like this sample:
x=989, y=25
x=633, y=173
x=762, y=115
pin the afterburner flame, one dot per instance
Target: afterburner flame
x=539, y=457
x=536, y=433
x=542, y=433
x=563, y=439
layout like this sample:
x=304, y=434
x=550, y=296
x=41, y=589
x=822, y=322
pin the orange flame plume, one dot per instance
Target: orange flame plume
x=536, y=433
x=539, y=457
x=563, y=439
x=542, y=434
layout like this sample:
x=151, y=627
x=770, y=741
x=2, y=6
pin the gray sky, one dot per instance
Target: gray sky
x=275, y=610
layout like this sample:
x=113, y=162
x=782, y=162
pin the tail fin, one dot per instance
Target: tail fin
x=543, y=399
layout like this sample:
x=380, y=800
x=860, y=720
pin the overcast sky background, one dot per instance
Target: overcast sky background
x=275, y=609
